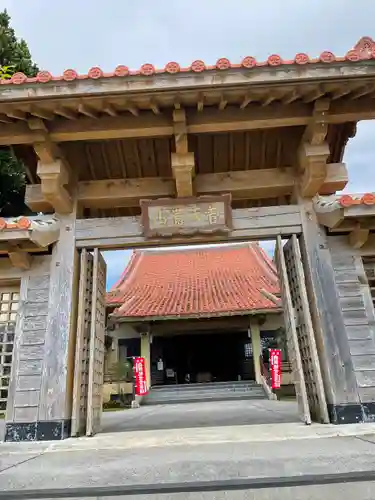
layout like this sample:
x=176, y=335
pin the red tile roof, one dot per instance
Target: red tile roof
x=21, y=223
x=204, y=282
x=363, y=50
x=347, y=200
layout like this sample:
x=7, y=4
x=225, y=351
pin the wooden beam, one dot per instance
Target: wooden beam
x=183, y=162
x=122, y=192
x=247, y=184
x=235, y=78
x=358, y=237
x=248, y=223
x=348, y=225
x=19, y=258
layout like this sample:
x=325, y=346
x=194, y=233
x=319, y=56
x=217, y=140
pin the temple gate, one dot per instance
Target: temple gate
x=134, y=159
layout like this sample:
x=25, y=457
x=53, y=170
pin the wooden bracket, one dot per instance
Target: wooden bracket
x=54, y=177
x=314, y=151
x=313, y=163
x=183, y=162
x=19, y=258
x=358, y=237
x=183, y=172
x=53, y=169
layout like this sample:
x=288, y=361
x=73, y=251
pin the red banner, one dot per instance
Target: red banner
x=275, y=362
x=140, y=377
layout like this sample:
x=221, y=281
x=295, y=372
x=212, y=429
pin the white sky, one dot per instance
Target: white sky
x=83, y=33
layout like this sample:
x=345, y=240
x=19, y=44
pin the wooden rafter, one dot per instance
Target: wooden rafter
x=147, y=124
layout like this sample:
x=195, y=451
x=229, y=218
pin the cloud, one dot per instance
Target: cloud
x=83, y=34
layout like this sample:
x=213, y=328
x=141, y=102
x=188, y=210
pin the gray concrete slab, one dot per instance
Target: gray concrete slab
x=202, y=414
x=67, y=469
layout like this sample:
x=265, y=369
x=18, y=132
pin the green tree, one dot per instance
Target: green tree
x=14, y=57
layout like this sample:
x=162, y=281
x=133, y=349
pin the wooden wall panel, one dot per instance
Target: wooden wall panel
x=25, y=383
x=358, y=312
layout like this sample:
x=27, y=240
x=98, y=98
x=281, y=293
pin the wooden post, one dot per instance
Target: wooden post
x=40, y=390
x=257, y=348
x=146, y=354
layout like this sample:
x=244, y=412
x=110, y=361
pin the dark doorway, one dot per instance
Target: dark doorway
x=206, y=357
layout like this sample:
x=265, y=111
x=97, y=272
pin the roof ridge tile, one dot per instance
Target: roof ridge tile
x=364, y=49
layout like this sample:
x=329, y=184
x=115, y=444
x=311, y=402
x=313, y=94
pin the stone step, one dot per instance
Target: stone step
x=203, y=392
x=191, y=399
x=206, y=386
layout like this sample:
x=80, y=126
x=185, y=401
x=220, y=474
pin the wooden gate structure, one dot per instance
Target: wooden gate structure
x=205, y=154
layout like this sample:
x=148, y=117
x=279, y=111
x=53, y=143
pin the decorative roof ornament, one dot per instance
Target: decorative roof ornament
x=363, y=50
x=365, y=47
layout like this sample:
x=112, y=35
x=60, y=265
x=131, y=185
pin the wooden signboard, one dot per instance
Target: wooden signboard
x=186, y=216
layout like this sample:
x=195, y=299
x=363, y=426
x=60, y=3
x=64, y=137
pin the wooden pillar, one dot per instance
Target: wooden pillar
x=257, y=348
x=42, y=376
x=146, y=354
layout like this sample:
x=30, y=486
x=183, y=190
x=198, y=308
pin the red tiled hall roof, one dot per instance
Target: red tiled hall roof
x=221, y=281
x=363, y=50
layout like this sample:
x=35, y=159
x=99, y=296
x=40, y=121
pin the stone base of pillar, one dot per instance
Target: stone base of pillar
x=50, y=430
x=351, y=413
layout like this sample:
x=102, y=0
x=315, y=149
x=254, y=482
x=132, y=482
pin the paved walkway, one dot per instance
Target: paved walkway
x=189, y=455
x=207, y=414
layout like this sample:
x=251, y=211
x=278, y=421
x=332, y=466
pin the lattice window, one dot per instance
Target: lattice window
x=9, y=300
x=369, y=265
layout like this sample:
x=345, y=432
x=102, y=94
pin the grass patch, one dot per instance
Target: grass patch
x=106, y=410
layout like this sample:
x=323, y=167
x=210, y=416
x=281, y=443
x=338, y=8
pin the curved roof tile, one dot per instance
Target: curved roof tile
x=195, y=282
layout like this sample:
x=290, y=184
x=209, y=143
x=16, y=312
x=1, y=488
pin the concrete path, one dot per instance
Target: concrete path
x=207, y=414
x=183, y=455
x=203, y=462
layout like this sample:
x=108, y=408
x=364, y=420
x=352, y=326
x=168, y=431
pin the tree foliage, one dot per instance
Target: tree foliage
x=14, y=53
x=14, y=57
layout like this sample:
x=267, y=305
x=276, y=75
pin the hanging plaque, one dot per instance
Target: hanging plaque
x=186, y=216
